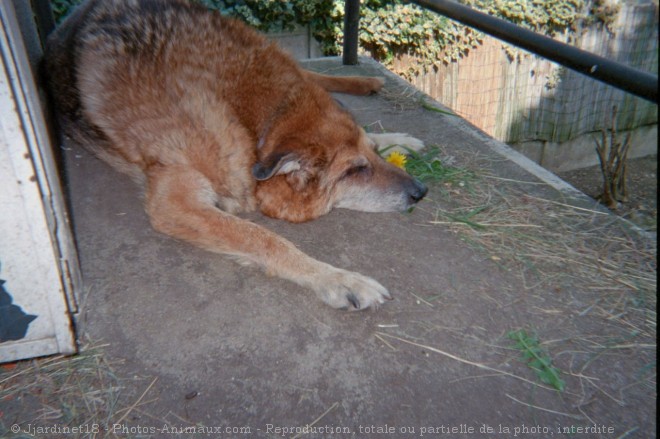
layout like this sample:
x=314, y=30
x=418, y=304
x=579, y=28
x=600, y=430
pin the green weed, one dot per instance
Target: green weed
x=536, y=358
x=427, y=167
x=430, y=107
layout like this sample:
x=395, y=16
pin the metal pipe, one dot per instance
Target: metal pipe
x=635, y=81
x=351, y=28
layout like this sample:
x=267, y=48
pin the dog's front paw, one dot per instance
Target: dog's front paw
x=351, y=291
x=400, y=142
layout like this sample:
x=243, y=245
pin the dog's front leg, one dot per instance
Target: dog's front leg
x=180, y=202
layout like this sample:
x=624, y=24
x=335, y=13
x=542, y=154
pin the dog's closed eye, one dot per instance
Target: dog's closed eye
x=361, y=170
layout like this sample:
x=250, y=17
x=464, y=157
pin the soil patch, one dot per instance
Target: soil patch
x=518, y=309
x=642, y=205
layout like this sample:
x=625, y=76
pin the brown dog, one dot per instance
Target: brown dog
x=213, y=119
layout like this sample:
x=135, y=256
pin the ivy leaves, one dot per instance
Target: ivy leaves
x=545, y=16
x=391, y=28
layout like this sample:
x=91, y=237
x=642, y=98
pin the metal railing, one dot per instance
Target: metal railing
x=629, y=79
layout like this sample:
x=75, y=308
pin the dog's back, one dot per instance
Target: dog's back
x=214, y=119
x=119, y=68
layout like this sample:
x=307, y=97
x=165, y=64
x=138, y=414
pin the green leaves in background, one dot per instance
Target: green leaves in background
x=391, y=28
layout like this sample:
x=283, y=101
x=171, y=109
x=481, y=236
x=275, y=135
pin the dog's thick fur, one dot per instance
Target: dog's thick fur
x=213, y=120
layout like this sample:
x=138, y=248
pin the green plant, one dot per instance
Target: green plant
x=603, y=11
x=536, y=358
x=549, y=17
x=265, y=15
x=426, y=166
x=392, y=28
x=61, y=8
x=274, y=16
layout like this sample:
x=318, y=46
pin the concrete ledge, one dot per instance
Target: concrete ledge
x=580, y=152
x=470, y=134
x=264, y=353
x=466, y=136
x=299, y=42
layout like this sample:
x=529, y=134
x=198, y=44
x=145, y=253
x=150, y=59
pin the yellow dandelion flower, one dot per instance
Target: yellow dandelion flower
x=397, y=159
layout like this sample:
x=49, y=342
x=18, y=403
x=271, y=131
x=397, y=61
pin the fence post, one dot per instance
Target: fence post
x=351, y=27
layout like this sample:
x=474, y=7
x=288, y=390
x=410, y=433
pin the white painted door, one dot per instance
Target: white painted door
x=38, y=264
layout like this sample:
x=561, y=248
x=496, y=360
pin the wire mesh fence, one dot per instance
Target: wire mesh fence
x=524, y=98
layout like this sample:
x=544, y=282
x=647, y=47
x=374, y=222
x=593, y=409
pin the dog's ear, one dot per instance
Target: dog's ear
x=275, y=164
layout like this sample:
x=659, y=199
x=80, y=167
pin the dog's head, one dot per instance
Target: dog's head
x=315, y=157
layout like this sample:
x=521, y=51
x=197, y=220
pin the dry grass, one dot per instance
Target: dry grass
x=77, y=391
x=81, y=396
x=67, y=390
x=576, y=262
x=598, y=265
x=556, y=243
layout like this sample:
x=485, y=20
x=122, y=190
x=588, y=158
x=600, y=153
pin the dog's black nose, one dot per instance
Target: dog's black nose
x=418, y=191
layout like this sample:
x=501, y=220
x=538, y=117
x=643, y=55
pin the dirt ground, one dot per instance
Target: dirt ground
x=521, y=309
x=642, y=206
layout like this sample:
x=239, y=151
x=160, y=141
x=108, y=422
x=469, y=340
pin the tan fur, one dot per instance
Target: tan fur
x=215, y=120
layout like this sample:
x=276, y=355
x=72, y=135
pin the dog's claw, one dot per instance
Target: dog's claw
x=343, y=289
x=354, y=300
